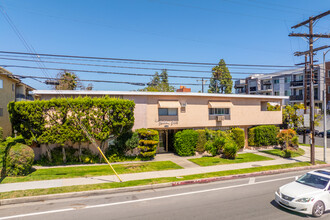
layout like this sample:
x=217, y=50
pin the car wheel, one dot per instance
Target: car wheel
x=318, y=209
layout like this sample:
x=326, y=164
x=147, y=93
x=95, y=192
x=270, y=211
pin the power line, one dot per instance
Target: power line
x=140, y=60
x=110, y=72
x=124, y=67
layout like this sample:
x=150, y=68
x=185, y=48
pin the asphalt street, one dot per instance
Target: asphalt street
x=249, y=198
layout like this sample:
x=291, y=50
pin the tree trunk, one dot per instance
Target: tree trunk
x=64, y=155
x=49, y=154
x=79, y=152
x=101, y=147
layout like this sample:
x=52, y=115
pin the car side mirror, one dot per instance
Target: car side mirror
x=296, y=177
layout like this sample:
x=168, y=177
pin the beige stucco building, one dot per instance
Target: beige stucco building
x=170, y=112
x=11, y=89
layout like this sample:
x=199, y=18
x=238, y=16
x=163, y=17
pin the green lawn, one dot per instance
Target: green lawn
x=308, y=145
x=241, y=158
x=87, y=171
x=35, y=192
x=278, y=152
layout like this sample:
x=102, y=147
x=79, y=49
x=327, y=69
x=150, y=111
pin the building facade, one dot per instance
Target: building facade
x=173, y=111
x=290, y=83
x=11, y=89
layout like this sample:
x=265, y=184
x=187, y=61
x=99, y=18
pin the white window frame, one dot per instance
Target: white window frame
x=214, y=114
x=1, y=84
x=169, y=112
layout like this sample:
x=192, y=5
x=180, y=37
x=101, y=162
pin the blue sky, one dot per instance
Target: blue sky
x=239, y=31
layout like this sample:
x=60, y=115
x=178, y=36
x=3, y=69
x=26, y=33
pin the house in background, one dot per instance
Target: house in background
x=169, y=112
x=11, y=89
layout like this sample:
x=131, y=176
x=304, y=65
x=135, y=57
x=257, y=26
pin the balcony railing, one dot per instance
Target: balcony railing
x=253, y=89
x=296, y=97
x=24, y=97
x=266, y=83
x=297, y=83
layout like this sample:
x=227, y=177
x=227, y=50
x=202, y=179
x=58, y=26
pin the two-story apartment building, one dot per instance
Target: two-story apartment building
x=11, y=89
x=170, y=112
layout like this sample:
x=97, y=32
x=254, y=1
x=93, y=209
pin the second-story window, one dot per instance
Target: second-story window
x=276, y=81
x=1, y=83
x=167, y=111
x=13, y=87
x=219, y=111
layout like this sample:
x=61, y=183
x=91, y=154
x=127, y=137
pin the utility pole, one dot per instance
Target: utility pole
x=203, y=83
x=310, y=37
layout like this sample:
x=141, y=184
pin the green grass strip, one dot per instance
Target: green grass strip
x=66, y=189
x=241, y=158
x=280, y=153
x=88, y=171
x=308, y=145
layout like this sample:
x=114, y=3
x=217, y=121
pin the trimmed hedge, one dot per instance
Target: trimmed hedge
x=237, y=135
x=148, y=142
x=57, y=121
x=185, y=142
x=263, y=135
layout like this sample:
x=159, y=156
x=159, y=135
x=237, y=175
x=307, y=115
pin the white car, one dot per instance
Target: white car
x=309, y=194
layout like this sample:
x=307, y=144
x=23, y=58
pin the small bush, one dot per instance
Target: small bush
x=148, y=143
x=238, y=136
x=185, y=142
x=287, y=153
x=211, y=148
x=19, y=160
x=288, y=138
x=200, y=146
x=230, y=150
x=263, y=135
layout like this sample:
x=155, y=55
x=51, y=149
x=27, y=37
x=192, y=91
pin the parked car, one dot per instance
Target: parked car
x=300, y=131
x=309, y=194
x=321, y=134
x=317, y=132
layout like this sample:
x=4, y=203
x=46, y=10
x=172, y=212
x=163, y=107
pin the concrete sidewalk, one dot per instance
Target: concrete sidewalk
x=189, y=169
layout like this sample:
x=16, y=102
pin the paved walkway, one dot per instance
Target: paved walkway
x=189, y=169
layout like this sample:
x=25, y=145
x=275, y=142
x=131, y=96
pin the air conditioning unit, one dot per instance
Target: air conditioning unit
x=183, y=105
x=220, y=118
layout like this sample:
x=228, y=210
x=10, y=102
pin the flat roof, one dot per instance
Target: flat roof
x=135, y=93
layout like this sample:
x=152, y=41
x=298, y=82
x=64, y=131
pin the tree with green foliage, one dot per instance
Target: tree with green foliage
x=159, y=83
x=293, y=119
x=221, y=80
x=68, y=81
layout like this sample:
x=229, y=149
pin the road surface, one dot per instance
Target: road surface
x=249, y=198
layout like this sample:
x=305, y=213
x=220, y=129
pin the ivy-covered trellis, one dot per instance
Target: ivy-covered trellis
x=58, y=121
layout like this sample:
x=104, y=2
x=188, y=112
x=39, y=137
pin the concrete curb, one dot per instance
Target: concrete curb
x=43, y=198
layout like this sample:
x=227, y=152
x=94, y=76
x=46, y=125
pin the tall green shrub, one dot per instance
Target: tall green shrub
x=148, y=142
x=237, y=135
x=200, y=146
x=230, y=150
x=263, y=135
x=185, y=142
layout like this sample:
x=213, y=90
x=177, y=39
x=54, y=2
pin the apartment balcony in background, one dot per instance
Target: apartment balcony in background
x=296, y=97
x=296, y=83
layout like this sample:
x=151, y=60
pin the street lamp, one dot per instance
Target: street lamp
x=325, y=136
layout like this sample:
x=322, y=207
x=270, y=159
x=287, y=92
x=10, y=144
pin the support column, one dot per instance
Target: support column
x=166, y=140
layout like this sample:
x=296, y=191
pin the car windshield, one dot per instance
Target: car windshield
x=313, y=181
